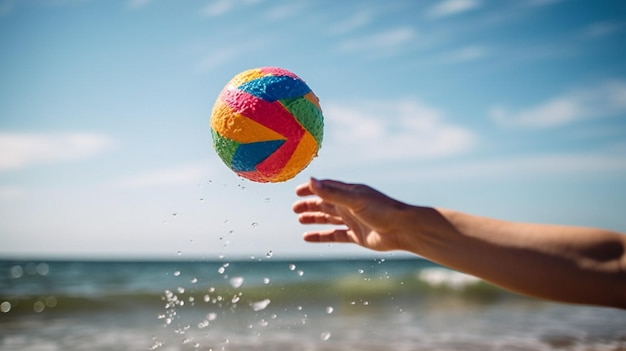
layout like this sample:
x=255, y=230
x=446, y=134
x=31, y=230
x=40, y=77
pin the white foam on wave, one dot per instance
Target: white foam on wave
x=441, y=277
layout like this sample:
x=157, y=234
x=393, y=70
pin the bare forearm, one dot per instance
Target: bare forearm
x=568, y=264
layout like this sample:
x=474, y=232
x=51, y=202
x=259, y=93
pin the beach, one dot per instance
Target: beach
x=268, y=304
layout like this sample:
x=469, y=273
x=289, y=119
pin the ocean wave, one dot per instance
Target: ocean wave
x=430, y=283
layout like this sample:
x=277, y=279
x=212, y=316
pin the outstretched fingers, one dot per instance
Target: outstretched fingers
x=319, y=218
x=328, y=236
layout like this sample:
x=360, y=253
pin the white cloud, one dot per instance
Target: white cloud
x=393, y=130
x=217, y=8
x=603, y=100
x=222, y=7
x=541, y=2
x=182, y=175
x=601, y=29
x=465, y=54
x=137, y=4
x=356, y=21
x=452, y=7
x=23, y=150
x=282, y=12
x=225, y=54
x=383, y=42
x=521, y=166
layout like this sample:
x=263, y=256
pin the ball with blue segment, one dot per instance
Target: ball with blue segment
x=267, y=124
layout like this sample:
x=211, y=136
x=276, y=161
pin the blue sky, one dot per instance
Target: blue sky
x=510, y=109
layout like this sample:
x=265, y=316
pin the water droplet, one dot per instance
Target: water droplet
x=194, y=280
x=300, y=273
x=236, y=282
x=43, y=269
x=260, y=305
x=292, y=267
x=174, y=214
x=267, y=199
x=263, y=323
x=180, y=290
x=266, y=280
x=365, y=303
x=329, y=309
x=325, y=336
x=5, y=306
x=211, y=316
x=176, y=273
x=179, y=253
x=51, y=301
x=221, y=270
x=206, y=298
x=39, y=306
x=299, y=308
x=254, y=224
x=361, y=271
x=17, y=271
x=235, y=299
x=269, y=254
x=201, y=200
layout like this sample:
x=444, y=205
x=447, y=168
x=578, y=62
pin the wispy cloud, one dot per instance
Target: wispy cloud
x=465, y=54
x=520, y=167
x=541, y=2
x=452, y=7
x=222, y=7
x=354, y=22
x=601, y=29
x=284, y=11
x=24, y=150
x=225, y=54
x=389, y=42
x=606, y=99
x=393, y=130
x=137, y=4
x=182, y=175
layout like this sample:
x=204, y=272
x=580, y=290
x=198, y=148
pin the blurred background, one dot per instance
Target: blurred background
x=512, y=109
x=121, y=229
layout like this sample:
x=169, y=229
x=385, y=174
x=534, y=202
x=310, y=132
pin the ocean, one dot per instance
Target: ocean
x=269, y=304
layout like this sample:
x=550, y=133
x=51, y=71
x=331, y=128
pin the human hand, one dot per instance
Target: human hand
x=369, y=218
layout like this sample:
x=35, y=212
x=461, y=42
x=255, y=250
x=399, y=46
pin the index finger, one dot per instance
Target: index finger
x=304, y=189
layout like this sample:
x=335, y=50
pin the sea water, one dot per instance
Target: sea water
x=269, y=304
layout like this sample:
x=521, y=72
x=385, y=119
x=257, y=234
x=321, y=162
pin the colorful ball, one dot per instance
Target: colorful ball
x=267, y=125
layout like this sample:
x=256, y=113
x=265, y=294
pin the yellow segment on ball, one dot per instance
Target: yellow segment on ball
x=238, y=127
x=244, y=77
